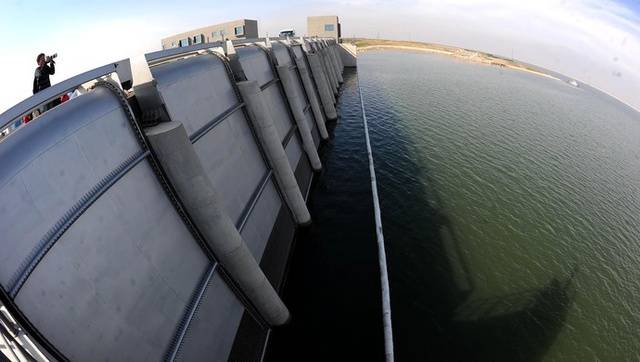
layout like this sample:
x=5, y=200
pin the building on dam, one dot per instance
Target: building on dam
x=232, y=30
x=324, y=26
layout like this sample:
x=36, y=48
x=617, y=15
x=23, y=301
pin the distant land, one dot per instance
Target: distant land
x=364, y=44
x=475, y=56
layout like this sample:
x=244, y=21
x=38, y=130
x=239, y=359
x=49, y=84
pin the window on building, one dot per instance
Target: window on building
x=328, y=27
x=173, y=44
x=239, y=30
x=198, y=39
x=184, y=42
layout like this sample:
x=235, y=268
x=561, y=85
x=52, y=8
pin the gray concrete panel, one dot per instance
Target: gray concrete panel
x=310, y=90
x=294, y=151
x=255, y=64
x=232, y=161
x=258, y=228
x=322, y=85
x=284, y=59
x=281, y=53
x=195, y=90
x=296, y=102
x=50, y=164
x=112, y=288
x=278, y=159
x=213, y=328
x=257, y=67
x=316, y=137
x=278, y=110
x=203, y=203
x=229, y=153
x=311, y=122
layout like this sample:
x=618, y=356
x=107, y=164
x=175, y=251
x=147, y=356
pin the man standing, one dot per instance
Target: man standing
x=43, y=71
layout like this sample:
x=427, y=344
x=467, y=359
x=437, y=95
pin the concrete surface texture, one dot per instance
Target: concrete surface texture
x=115, y=248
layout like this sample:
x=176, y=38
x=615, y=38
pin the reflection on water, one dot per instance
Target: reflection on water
x=511, y=211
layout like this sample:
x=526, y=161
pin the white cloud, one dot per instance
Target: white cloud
x=593, y=41
x=596, y=42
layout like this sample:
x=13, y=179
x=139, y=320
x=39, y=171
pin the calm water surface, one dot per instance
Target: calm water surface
x=511, y=212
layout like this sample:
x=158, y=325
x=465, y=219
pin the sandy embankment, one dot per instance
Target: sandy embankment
x=494, y=62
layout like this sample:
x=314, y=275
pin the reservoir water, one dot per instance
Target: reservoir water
x=511, y=213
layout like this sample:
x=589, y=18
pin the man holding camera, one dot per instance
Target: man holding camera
x=41, y=78
x=43, y=71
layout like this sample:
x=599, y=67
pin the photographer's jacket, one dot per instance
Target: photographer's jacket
x=41, y=77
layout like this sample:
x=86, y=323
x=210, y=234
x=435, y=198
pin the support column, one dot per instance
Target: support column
x=336, y=50
x=313, y=99
x=297, y=108
x=334, y=61
x=179, y=160
x=326, y=95
x=330, y=72
x=268, y=136
x=336, y=57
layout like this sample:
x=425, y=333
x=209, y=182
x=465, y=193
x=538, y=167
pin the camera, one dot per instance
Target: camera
x=50, y=57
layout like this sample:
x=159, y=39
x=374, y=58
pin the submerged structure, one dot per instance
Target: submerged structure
x=152, y=217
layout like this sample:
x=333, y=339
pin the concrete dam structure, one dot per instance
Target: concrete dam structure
x=152, y=217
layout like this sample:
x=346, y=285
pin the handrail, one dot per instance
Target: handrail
x=382, y=256
x=180, y=51
x=121, y=67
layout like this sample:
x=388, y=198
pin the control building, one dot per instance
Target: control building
x=323, y=26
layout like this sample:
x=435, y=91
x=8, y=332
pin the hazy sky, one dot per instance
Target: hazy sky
x=597, y=42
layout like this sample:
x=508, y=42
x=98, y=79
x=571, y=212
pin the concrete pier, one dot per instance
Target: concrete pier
x=313, y=99
x=333, y=79
x=348, y=55
x=178, y=158
x=267, y=133
x=336, y=65
x=326, y=94
x=287, y=78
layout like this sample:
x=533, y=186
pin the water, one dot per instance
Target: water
x=511, y=212
x=333, y=286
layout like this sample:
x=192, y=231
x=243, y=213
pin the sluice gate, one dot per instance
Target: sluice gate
x=152, y=216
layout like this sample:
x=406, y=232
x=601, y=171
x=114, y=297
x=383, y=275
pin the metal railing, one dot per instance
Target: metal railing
x=14, y=114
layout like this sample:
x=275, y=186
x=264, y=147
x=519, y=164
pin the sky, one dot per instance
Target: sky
x=596, y=42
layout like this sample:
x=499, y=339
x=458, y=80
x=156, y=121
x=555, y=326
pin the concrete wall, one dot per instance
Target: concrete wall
x=96, y=250
x=228, y=152
x=348, y=54
x=113, y=284
x=316, y=26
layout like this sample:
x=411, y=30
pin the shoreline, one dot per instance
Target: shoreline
x=498, y=62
